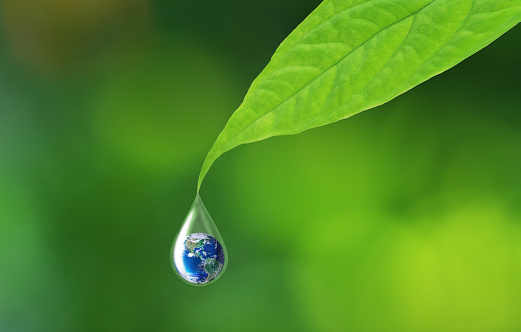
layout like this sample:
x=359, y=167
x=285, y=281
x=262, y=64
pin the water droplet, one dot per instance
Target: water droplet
x=198, y=254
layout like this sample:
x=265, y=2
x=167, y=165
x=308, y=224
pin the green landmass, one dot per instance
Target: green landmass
x=191, y=246
x=212, y=267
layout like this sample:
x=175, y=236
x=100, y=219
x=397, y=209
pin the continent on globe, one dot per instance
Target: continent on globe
x=203, y=258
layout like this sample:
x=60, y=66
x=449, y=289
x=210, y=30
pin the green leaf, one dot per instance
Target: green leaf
x=351, y=55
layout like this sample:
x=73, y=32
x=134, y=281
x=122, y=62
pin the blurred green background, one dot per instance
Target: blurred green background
x=402, y=218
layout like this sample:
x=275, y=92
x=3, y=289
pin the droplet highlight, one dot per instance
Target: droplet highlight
x=198, y=254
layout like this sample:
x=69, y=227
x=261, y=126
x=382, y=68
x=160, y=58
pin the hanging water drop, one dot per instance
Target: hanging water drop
x=198, y=254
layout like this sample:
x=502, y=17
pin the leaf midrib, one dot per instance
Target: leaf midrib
x=326, y=70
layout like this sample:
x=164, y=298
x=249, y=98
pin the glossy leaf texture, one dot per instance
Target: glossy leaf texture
x=348, y=56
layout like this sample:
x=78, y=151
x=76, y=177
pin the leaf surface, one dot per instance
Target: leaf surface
x=351, y=55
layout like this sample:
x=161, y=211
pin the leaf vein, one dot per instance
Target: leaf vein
x=452, y=35
x=326, y=70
